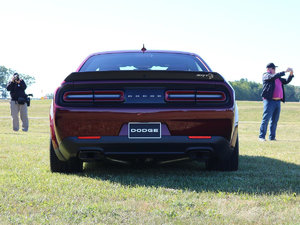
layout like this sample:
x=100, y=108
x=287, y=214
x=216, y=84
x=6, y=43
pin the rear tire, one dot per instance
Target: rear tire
x=230, y=164
x=73, y=165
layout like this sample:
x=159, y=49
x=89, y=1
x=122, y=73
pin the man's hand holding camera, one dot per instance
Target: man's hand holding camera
x=290, y=70
x=16, y=79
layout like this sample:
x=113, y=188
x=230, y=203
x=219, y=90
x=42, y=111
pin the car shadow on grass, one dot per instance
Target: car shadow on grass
x=256, y=175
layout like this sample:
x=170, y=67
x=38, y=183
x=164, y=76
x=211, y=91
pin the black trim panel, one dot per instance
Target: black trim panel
x=144, y=75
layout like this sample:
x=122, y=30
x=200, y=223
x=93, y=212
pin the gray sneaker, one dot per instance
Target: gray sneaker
x=261, y=139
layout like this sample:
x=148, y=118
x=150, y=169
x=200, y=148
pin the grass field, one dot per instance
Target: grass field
x=265, y=190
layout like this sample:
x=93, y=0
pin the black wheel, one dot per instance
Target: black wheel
x=230, y=164
x=233, y=162
x=71, y=166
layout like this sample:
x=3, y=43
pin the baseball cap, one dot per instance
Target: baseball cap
x=271, y=65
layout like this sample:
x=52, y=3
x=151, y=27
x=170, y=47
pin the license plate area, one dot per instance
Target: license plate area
x=150, y=130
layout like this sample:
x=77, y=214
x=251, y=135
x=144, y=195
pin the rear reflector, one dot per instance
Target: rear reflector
x=199, y=137
x=88, y=137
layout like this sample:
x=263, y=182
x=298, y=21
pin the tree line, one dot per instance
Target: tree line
x=251, y=91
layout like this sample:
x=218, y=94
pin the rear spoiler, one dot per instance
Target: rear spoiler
x=143, y=75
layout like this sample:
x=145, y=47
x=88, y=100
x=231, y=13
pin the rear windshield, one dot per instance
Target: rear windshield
x=142, y=61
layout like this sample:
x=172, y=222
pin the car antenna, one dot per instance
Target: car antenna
x=143, y=48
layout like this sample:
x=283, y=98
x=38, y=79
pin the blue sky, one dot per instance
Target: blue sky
x=49, y=39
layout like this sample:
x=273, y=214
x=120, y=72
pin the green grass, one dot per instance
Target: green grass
x=265, y=190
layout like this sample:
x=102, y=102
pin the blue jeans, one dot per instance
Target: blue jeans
x=271, y=111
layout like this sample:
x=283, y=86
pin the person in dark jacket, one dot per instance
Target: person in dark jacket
x=273, y=95
x=18, y=102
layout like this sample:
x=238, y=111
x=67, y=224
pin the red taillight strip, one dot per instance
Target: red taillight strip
x=90, y=96
x=180, y=96
x=115, y=96
x=88, y=137
x=210, y=96
x=78, y=96
x=199, y=137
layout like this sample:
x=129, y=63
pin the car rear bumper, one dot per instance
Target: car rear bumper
x=165, y=148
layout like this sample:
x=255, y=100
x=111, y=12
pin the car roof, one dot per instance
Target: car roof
x=147, y=51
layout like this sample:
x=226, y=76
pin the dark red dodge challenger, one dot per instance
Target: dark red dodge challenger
x=144, y=106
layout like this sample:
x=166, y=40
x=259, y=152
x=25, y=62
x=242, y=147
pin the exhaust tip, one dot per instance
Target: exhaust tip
x=90, y=155
x=199, y=153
